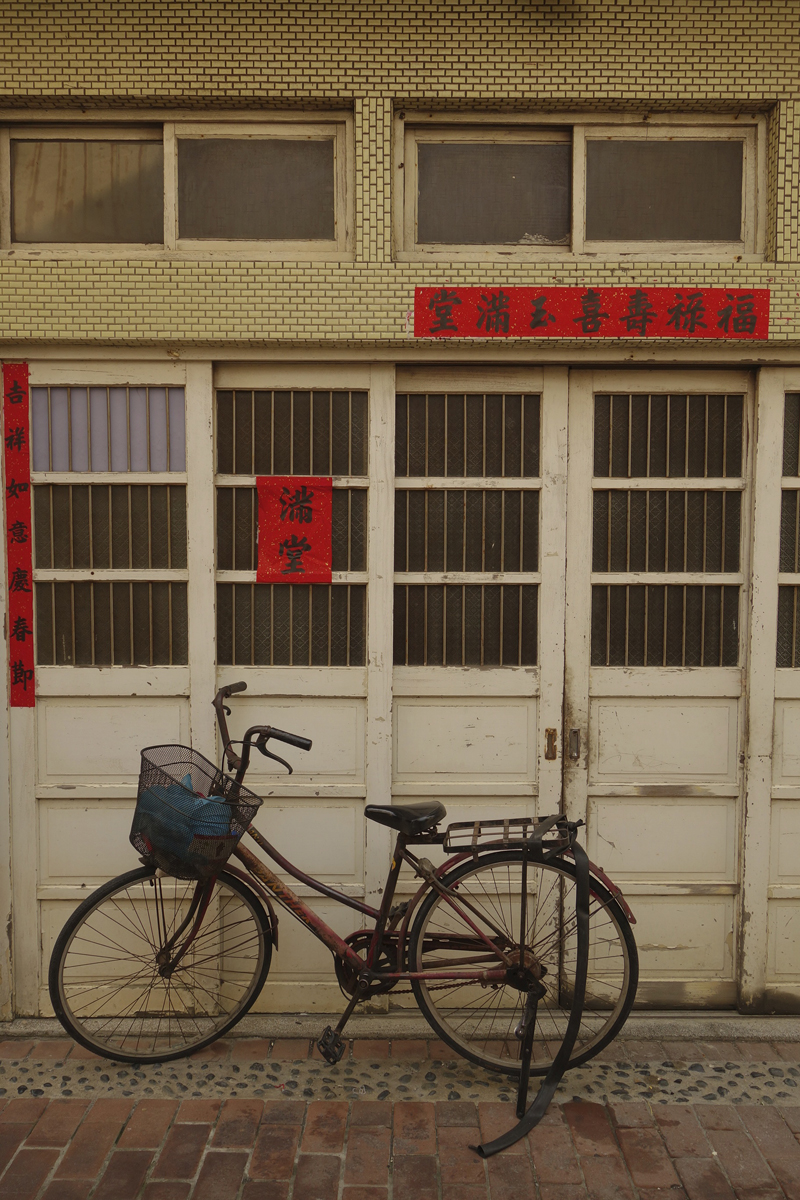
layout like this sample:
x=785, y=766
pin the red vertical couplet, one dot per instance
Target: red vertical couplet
x=294, y=528
x=19, y=536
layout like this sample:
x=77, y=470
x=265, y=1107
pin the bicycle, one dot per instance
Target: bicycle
x=165, y=959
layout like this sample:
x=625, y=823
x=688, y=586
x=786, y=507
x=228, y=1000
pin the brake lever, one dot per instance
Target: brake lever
x=261, y=744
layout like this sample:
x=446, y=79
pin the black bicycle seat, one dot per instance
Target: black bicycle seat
x=409, y=819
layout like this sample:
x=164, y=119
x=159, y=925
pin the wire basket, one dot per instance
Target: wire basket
x=189, y=815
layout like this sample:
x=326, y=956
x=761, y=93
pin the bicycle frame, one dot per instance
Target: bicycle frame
x=382, y=916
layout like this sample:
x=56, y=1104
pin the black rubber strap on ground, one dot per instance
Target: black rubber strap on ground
x=561, y=1061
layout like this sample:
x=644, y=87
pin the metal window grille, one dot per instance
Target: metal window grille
x=98, y=624
x=467, y=625
x=477, y=434
x=292, y=433
x=788, y=651
x=791, y=434
x=664, y=436
x=108, y=429
x=437, y=530
x=788, y=627
x=237, y=529
x=314, y=625
x=666, y=531
x=663, y=625
x=482, y=531
x=682, y=622
x=100, y=525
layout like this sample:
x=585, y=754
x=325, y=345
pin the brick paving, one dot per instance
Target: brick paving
x=249, y=1148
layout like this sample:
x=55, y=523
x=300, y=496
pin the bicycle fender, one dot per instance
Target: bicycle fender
x=600, y=874
x=263, y=894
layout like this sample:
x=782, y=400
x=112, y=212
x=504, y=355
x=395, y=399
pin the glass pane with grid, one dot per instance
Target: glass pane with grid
x=237, y=529
x=108, y=429
x=788, y=651
x=665, y=625
x=661, y=436
x=678, y=531
x=91, y=623
x=101, y=526
x=310, y=625
x=292, y=433
x=467, y=435
x=666, y=531
x=788, y=627
x=466, y=625
x=452, y=530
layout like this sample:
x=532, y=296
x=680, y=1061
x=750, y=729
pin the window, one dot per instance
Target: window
x=93, y=186
x=494, y=192
x=667, y=530
x=256, y=188
x=291, y=433
x=466, y=530
x=109, y=507
x=557, y=188
x=789, y=591
x=264, y=189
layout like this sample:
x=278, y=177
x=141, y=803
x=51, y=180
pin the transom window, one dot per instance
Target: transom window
x=179, y=186
x=631, y=188
x=109, y=509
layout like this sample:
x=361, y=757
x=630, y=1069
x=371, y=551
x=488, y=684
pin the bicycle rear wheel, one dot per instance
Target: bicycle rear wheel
x=109, y=987
x=479, y=1021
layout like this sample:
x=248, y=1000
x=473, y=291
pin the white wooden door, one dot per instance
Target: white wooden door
x=479, y=589
x=657, y=632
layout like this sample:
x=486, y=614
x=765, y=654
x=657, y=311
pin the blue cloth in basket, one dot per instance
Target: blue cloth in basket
x=173, y=817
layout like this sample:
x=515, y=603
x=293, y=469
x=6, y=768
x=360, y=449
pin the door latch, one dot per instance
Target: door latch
x=574, y=744
x=550, y=743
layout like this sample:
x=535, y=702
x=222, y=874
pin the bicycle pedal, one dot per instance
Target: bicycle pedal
x=331, y=1045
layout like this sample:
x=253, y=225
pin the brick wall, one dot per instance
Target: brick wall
x=672, y=55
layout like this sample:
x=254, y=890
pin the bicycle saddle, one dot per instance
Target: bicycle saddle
x=409, y=819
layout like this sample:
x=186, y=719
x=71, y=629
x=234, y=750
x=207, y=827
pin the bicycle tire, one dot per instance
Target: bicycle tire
x=143, y=1017
x=481, y=1029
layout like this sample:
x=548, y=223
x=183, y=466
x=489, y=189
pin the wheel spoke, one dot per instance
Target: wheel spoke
x=479, y=1021
x=108, y=980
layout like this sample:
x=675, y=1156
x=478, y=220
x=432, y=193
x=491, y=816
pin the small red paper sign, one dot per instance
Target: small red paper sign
x=570, y=312
x=19, y=556
x=294, y=528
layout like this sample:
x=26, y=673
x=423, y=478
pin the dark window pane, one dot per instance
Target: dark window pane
x=292, y=433
x=657, y=625
x=256, y=189
x=664, y=190
x=75, y=191
x=483, y=194
x=291, y=625
x=91, y=623
x=472, y=625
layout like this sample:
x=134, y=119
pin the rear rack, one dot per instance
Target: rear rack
x=502, y=833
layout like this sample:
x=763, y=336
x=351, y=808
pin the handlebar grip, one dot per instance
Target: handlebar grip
x=231, y=688
x=293, y=739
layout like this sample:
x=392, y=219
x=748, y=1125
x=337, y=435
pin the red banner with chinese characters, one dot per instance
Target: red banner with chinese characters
x=16, y=440
x=294, y=528
x=569, y=312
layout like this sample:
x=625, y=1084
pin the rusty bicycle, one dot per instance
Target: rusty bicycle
x=494, y=943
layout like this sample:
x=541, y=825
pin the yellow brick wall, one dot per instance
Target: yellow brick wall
x=671, y=55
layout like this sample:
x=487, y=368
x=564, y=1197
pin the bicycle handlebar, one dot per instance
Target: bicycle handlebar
x=292, y=739
x=265, y=732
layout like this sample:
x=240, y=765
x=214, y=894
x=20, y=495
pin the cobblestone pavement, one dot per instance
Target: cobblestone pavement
x=123, y=1142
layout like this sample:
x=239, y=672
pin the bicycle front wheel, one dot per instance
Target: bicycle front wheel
x=479, y=1021
x=108, y=982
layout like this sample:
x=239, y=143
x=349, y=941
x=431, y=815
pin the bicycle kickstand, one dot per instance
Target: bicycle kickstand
x=527, y=1030
x=331, y=1044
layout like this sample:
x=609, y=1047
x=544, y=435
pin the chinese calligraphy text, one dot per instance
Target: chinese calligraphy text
x=599, y=312
x=294, y=529
x=19, y=628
